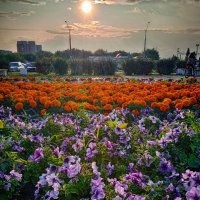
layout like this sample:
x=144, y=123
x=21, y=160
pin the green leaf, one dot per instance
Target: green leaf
x=123, y=126
x=193, y=161
x=183, y=157
x=112, y=124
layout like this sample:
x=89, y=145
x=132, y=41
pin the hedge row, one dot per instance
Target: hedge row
x=105, y=67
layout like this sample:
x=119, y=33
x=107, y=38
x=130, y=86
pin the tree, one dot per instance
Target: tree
x=100, y=52
x=166, y=66
x=152, y=54
x=60, y=66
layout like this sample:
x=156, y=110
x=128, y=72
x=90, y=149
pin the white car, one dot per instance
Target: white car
x=15, y=66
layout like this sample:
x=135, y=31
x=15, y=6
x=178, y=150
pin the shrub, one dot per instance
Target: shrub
x=139, y=66
x=181, y=64
x=44, y=66
x=165, y=66
x=87, y=67
x=60, y=66
x=4, y=63
x=76, y=67
x=104, y=68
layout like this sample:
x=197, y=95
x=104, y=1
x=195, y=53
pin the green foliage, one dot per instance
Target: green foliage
x=60, y=66
x=4, y=63
x=104, y=68
x=87, y=67
x=81, y=67
x=165, y=66
x=44, y=65
x=152, y=54
x=181, y=64
x=138, y=66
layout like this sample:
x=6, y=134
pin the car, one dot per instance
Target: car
x=15, y=66
x=30, y=67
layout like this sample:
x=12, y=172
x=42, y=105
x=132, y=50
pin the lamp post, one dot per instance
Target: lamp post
x=177, y=52
x=70, y=39
x=197, y=46
x=145, y=38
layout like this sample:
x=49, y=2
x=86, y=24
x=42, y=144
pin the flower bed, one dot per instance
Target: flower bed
x=98, y=96
x=146, y=148
x=83, y=156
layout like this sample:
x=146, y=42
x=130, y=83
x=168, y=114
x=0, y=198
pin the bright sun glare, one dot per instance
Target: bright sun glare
x=86, y=6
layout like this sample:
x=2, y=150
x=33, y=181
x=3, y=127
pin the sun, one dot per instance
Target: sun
x=86, y=6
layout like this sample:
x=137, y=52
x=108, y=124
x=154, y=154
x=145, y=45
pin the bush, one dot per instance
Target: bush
x=60, y=66
x=44, y=66
x=104, y=68
x=165, y=66
x=181, y=64
x=139, y=67
x=87, y=67
x=4, y=63
x=76, y=67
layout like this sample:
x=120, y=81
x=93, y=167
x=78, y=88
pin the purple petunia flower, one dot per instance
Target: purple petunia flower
x=110, y=168
x=38, y=155
x=71, y=166
x=57, y=152
x=7, y=186
x=97, y=184
x=165, y=166
x=1, y=175
x=36, y=138
x=193, y=193
x=16, y=175
x=16, y=146
x=50, y=179
x=78, y=145
x=91, y=151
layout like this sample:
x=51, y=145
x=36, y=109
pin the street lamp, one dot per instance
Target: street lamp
x=145, y=38
x=178, y=51
x=197, y=46
x=70, y=39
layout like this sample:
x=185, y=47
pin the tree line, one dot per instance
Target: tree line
x=76, y=62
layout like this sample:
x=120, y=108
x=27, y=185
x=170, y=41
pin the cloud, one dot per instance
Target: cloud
x=96, y=29
x=14, y=14
x=132, y=2
x=32, y=2
x=93, y=29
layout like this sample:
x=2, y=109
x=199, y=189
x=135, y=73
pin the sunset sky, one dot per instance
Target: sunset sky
x=110, y=25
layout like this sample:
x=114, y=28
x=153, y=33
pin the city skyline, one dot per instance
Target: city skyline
x=110, y=24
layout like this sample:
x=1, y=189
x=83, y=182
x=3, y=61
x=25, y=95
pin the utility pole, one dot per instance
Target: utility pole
x=70, y=39
x=145, y=38
x=197, y=48
x=177, y=52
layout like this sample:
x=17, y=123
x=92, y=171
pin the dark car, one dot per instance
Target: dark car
x=30, y=67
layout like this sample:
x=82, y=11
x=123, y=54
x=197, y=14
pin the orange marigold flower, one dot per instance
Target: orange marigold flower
x=179, y=106
x=135, y=112
x=1, y=97
x=108, y=107
x=32, y=104
x=154, y=104
x=56, y=103
x=43, y=111
x=47, y=104
x=19, y=106
x=67, y=108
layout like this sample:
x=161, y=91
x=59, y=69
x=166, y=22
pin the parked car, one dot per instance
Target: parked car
x=30, y=67
x=15, y=66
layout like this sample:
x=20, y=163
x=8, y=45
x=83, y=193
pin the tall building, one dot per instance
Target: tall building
x=31, y=47
x=22, y=46
x=38, y=48
x=28, y=47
